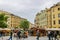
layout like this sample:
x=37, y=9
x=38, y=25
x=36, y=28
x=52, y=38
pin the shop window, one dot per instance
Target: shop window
x=58, y=8
x=54, y=22
x=53, y=16
x=59, y=15
x=59, y=21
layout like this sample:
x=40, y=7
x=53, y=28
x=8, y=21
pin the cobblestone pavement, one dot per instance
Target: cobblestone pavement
x=29, y=38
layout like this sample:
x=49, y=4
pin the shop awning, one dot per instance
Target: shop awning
x=52, y=29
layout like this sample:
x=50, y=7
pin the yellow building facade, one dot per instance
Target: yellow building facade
x=55, y=13
x=50, y=18
x=37, y=19
x=13, y=21
x=31, y=25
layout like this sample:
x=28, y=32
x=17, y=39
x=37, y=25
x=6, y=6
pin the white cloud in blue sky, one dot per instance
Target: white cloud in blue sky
x=26, y=8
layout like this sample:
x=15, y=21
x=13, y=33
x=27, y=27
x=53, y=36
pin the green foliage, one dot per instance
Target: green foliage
x=3, y=20
x=16, y=27
x=3, y=25
x=24, y=24
x=2, y=17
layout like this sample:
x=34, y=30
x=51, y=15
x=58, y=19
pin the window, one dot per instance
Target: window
x=59, y=21
x=53, y=16
x=58, y=8
x=54, y=27
x=45, y=14
x=59, y=15
x=53, y=9
x=59, y=27
x=54, y=22
x=35, y=21
x=38, y=19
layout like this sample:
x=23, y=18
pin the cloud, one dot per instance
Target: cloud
x=26, y=8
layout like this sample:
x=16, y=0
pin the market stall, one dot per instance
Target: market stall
x=5, y=31
x=34, y=30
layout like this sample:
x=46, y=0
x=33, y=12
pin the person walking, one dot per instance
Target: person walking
x=59, y=34
x=18, y=35
x=31, y=32
x=49, y=36
x=10, y=36
x=38, y=34
x=52, y=35
x=55, y=35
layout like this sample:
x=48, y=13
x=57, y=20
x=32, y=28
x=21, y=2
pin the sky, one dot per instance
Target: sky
x=26, y=8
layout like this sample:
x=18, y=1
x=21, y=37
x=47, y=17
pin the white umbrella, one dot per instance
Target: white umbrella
x=7, y=29
x=1, y=29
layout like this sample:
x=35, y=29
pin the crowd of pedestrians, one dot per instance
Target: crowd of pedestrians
x=52, y=35
x=24, y=35
x=18, y=35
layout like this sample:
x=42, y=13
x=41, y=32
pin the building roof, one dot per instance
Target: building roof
x=58, y=4
x=8, y=13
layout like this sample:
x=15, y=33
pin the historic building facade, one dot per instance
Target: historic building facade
x=50, y=18
x=13, y=21
x=37, y=20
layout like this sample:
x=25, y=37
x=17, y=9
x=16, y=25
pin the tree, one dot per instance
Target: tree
x=24, y=24
x=16, y=27
x=3, y=20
